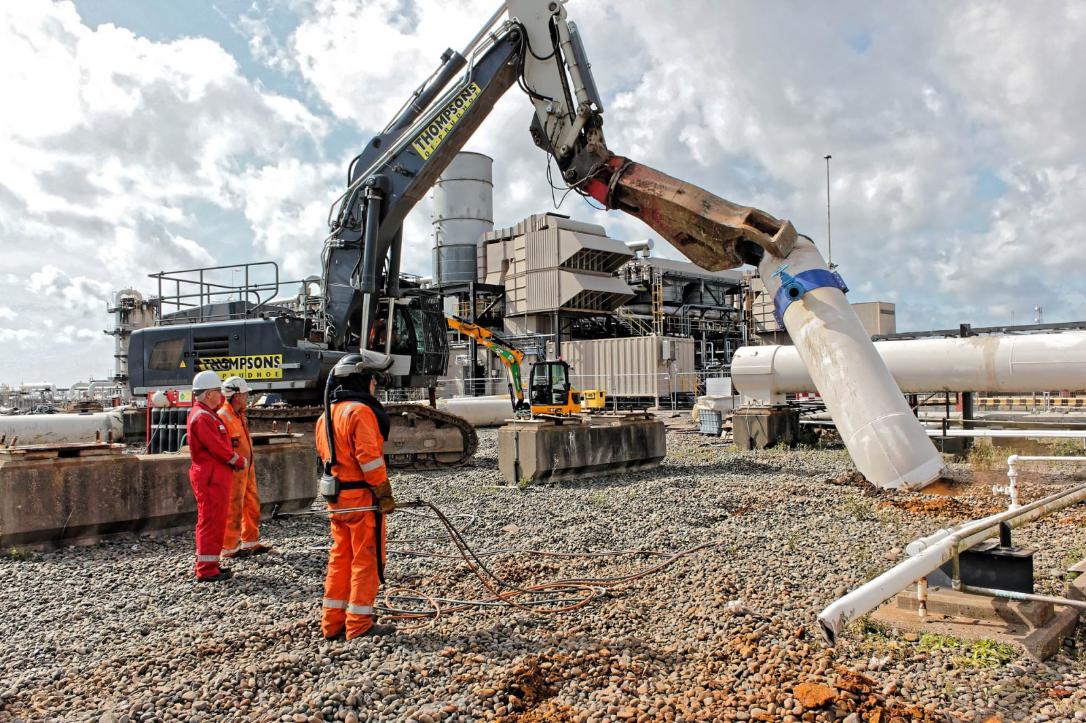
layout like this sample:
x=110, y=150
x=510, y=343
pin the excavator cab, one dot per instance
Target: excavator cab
x=550, y=390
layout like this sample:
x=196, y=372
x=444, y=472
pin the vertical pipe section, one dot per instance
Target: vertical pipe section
x=886, y=442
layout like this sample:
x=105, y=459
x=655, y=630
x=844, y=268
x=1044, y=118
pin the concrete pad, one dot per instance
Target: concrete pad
x=1076, y=589
x=1016, y=613
x=979, y=617
x=551, y=449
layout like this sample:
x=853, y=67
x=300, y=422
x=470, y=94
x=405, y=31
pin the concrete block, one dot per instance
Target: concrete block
x=1076, y=589
x=547, y=449
x=1036, y=628
x=73, y=500
x=942, y=601
x=762, y=427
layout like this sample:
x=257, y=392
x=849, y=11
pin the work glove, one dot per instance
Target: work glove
x=240, y=463
x=384, y=497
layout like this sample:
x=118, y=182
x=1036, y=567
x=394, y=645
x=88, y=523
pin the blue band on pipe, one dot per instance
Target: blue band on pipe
x=794, y=287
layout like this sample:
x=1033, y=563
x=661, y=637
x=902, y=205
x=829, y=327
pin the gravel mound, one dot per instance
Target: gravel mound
x=120, y=632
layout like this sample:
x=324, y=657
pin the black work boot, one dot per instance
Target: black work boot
x=379, y=630
x=223, y=574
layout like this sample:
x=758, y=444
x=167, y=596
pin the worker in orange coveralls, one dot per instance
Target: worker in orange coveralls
x=356, y=560
x=242, y=537
x=213, y=459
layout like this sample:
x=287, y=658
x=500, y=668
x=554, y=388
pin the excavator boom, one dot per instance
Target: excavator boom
x=510, y=356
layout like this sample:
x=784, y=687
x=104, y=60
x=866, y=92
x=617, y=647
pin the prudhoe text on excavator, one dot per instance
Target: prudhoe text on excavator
x=365, y=304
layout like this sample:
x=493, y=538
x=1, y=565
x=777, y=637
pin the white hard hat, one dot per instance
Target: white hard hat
x=234, y=385
x=205, y=380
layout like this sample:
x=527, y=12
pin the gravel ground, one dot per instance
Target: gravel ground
x=120, y=632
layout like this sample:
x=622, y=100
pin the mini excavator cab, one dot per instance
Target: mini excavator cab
x=550, y=390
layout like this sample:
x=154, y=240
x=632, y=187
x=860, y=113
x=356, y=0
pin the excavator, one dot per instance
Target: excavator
x=363, y=302
x=550, y=389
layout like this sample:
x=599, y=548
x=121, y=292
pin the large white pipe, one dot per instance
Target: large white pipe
x=62, y=428
x=886, y=442
x=1024, y=363
x=491, y=411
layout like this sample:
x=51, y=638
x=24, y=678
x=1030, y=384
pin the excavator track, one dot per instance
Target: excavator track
x=421, y=437
x=426, y=438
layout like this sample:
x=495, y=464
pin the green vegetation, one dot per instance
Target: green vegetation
x=859, y=507
x=1067, y=448
x=983, y=455
x=524, y=482
x=868, y=627
x=1074, y=555
x=978, y=654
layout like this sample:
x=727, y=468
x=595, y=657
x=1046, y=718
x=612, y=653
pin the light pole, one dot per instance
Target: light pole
x=829, y=235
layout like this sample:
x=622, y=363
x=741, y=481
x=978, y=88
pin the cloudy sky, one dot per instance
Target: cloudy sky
x=155, y=135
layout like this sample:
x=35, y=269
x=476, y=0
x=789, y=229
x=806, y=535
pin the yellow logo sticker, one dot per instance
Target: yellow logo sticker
x=432, y=136
x=259, y=366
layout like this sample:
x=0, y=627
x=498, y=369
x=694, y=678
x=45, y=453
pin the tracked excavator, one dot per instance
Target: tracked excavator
x=550, y=389
x=363, y=303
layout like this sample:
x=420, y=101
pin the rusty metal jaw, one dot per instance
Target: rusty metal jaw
x=713, y=233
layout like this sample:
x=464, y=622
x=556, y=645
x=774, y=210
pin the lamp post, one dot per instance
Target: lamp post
x=829, y=235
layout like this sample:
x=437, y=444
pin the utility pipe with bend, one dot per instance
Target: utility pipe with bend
x=935, y=551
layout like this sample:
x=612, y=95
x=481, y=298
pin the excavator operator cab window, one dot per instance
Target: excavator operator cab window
x=550, y=383
x=404, y=337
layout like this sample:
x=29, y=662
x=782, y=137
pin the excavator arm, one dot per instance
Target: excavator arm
x=510, y=356
x=537, y=48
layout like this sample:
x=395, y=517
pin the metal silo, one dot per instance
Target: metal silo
x=463, y=210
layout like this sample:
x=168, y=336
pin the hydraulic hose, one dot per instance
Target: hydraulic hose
x=553, y=597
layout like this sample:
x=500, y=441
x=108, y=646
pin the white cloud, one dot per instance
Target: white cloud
x=117, y=151
x=72, y=335
x=365, y=58
x=80, y=294
x=21, y=337
x=287, y=204
x=7, y=313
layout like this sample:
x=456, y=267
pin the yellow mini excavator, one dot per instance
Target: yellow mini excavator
x=549, y=388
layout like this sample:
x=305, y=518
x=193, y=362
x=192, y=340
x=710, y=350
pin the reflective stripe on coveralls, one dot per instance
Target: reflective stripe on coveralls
x=344, y=605
x=373, y=464
x=357, y=537
x=210, y=475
